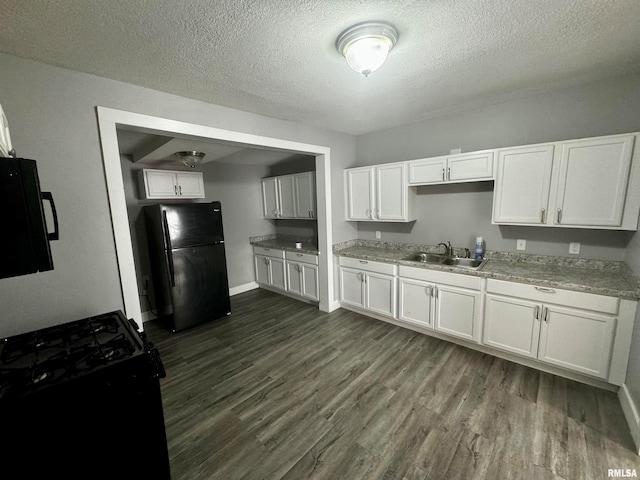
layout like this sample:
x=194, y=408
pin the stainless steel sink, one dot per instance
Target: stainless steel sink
x=463, y=262
x=424, y=257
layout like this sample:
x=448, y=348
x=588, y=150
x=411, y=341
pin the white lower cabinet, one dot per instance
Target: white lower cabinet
x=269, y=267
x=581, y=332
x=568, y=329
x=368, y=285
x=447, y=302
x=302, y=275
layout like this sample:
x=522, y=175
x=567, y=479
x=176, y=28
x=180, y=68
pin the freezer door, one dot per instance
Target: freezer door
x=200, y=290
x=193, y=224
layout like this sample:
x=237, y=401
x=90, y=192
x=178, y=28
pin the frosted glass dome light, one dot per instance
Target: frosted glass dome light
x=366, y=46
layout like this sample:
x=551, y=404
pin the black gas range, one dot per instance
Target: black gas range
x=82, y=400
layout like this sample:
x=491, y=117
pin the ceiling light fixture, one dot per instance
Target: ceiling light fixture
x=190, y=158
x=366, y=45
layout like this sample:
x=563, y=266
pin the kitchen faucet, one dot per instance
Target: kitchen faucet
x=448, y=249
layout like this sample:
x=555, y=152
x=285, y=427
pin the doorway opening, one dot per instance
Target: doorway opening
x=110, y=120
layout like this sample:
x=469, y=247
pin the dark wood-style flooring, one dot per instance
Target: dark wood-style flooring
x=280, y=390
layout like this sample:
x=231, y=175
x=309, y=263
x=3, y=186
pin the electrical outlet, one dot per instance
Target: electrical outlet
x=145, y=285
x=521, y=244
x=574, y=248
x=378, y=234
x=454, y=151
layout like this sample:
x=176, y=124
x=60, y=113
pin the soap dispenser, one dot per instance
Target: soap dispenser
x=479, y=248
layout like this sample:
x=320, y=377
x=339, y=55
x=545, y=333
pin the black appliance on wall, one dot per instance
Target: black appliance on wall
x=24, y=242
x=82, y=400
x=186, y=249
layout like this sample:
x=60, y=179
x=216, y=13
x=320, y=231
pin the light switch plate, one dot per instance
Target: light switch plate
x=453, y=151
x=521, y=244
x=574, y=248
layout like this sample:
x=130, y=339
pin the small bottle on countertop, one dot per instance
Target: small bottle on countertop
x=298, y=244
x=479, y=248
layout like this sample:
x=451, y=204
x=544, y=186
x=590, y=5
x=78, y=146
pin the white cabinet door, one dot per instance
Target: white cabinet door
x=310, y=287
x=577, y=340
x=270, y=204
x=456, y=312
x=160, y=184
x=294, y=278
x=352, y=287
x=286, y=196
x=521, y=194
x=593, y=181
x=190, y=184
x=261, y=266
x=380, y=293
x=5, y=138
x=415, y=302
x=305, y=190
x=472, y=166
x=428, y=170
x=512, y=324
x=277, y=273
x=360, y=191
x=391, y=192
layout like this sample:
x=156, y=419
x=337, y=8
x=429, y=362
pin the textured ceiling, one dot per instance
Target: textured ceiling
x=278, y=57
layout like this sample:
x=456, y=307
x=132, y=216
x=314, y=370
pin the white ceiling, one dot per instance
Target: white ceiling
x=278, y=57
x=157, y=151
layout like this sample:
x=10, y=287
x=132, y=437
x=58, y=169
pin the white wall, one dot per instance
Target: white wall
x=52, y=118
x=459, y=213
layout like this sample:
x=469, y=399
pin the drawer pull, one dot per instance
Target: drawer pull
x=363, y=261
x=545, y=290
x=299, y=254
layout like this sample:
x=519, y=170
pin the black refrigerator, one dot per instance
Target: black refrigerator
x=188, y=264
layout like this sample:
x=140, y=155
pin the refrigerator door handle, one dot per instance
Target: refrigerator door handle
x=167, y=249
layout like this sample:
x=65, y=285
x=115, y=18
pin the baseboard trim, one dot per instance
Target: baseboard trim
x=631, y=413
x=243, y=288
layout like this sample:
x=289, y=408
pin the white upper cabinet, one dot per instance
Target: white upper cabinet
x=593, y=179
x=588, y=183
x=166, y=184
x=521, y=194
x=270, y=202
x=464, y=167
x=305, y=195
x=289, y=196
x=379, y=193
x=5, y=138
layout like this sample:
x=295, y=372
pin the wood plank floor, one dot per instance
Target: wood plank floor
x=280, y=390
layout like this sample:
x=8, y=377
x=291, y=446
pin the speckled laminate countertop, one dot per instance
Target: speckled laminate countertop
x=283, y=242
x=592, y=276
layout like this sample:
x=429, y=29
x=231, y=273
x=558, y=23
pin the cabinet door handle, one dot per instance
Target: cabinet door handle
x=544, y=215
x=559, y=215
x=180, y=189
x=545, y=290
x=175, y=189
x=443, y=179
x=429, y=291
x=546, y=314
x=536, y=313
x=435, y=292
x=449, y=173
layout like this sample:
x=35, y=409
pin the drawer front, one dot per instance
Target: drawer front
x=301, y=257
x=436, y=276
x=368, y=265
x=584, y=301
x=269, y=252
